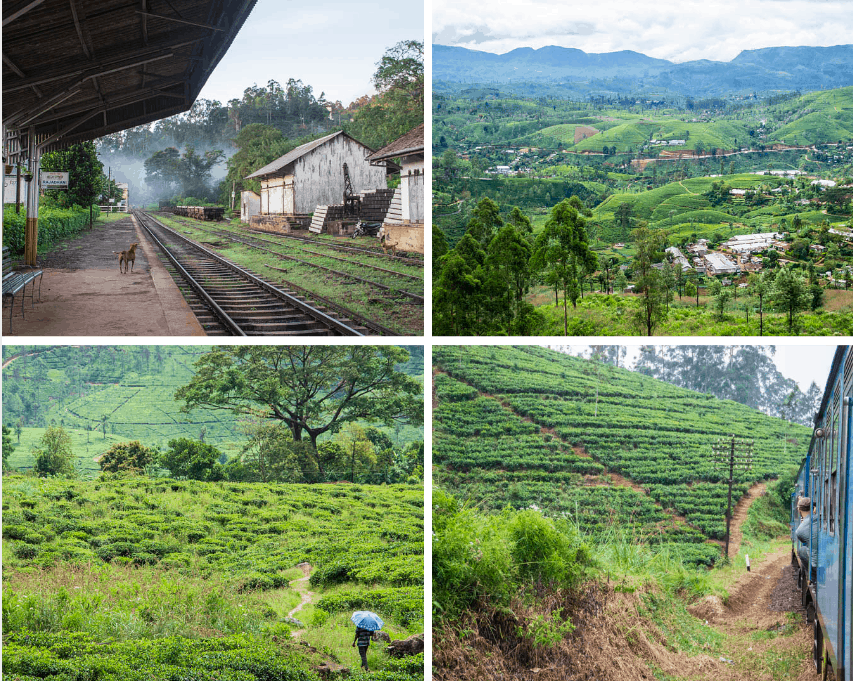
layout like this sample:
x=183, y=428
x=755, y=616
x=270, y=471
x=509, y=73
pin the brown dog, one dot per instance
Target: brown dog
x=128, y=256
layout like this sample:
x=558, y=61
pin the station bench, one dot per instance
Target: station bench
x=16, y=282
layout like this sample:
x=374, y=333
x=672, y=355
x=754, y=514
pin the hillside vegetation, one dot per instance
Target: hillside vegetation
x=167, y=579
x=107, y=394
x=530, y=427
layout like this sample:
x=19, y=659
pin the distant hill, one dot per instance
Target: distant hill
x=765, y=70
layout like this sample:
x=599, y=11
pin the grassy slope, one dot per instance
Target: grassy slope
x=147, y=559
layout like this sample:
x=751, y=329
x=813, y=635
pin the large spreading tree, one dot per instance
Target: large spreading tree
x=311, y=389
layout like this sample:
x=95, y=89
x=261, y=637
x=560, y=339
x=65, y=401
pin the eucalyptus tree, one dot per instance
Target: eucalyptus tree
x=562, y=251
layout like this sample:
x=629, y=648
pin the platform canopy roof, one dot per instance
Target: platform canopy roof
x=80, y=69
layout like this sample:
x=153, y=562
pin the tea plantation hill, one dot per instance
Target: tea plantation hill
x=130, y=389
x=164, y=579
x=527, y=426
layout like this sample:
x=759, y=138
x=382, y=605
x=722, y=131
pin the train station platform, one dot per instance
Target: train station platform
x=84, y=294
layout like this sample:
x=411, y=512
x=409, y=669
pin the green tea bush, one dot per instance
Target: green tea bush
x=79, y=656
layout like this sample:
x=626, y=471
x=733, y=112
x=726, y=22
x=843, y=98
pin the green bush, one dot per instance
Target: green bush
x=54, y=224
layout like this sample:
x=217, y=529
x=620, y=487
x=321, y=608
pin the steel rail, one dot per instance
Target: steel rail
x=232, y=236
x=311, y=311
x=229, y=323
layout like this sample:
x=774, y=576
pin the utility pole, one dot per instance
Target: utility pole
x=730, y=456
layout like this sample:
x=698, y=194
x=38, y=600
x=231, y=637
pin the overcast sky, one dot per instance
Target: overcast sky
x=681, y=30
x=802, y=363
x=331, y=45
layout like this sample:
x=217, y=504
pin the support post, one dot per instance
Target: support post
x=18, y=187
x=729, y=511
x=32, y=230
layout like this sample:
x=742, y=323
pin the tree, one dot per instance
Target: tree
x=53, y=454
x=127, y=457
x=623, y=213
x=272, y=455
x=816, y=296
x=440, y=246
x=192, y=459
x=485, y=221
x=358, y=449
x=761, y=286
x=621, y=281
x=311, y=389
x=161, y=171
x=562, y=251
x=790, y=293
x=721, y=297
x=508, y=260
x=85, y=173
x=652, y=310
x=194, y=171
x=8, y=447
x=399, y=106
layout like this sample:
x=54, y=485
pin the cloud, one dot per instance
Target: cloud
x=679, y=30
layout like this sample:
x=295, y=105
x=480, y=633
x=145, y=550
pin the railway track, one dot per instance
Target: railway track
x=255, y=243
x=230, y=300
x=411, y=260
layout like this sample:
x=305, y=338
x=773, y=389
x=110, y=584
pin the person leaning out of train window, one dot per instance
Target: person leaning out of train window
x=803, y=533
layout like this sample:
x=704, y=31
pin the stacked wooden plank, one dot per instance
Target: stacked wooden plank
x=394, y=215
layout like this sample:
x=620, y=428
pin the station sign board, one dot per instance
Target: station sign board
x=54, y=180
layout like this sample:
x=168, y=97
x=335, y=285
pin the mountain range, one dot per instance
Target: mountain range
x=771, y=69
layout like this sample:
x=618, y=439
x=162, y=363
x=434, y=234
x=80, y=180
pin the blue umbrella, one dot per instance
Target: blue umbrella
x=364, y=619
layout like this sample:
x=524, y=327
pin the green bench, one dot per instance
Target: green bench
x=16, y=282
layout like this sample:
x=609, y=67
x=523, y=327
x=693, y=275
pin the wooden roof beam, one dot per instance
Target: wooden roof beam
x=144, y=26
x=71, y=126
x=26, y=8
x=155, y=50
x=180, y=21
x=117, y=99
x=12, y=66
x=123, y=125
x=94, y=73
x=79, y=29
x=26, y=115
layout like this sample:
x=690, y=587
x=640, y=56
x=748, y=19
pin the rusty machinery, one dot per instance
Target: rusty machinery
x=352, y=201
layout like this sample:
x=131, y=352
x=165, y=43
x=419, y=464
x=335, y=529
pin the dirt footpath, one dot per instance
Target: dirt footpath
x=84, y=294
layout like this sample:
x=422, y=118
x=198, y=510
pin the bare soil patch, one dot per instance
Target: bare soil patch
x=584, y=131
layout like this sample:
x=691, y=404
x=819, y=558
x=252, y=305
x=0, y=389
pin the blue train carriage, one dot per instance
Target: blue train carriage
x=826, y=572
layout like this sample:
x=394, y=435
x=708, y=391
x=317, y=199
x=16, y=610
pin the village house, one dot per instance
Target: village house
x=250, y=205
x=678, y=257
x=312, y=175
x=717, y=263
x=404, y=221
x=751, y=243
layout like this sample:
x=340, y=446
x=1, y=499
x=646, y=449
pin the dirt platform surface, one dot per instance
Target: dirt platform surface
x=84, y=294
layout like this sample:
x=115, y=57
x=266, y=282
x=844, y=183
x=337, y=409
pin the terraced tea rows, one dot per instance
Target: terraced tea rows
x=521, y=445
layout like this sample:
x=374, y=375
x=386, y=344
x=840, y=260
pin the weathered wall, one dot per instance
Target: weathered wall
x=412, y=189
x=406, y=237
x=319, y=175
x=250, y=204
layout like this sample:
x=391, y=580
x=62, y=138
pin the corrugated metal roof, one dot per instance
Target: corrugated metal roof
x=412, y=141
x=300, y=151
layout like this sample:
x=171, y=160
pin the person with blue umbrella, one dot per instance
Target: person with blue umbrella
x=366, y=623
